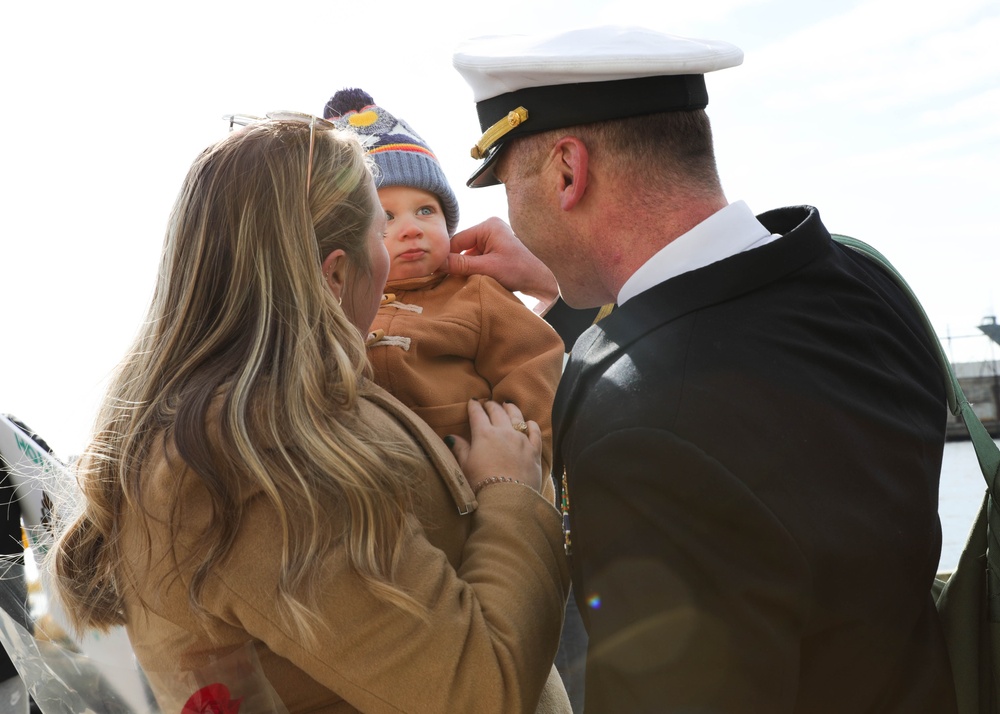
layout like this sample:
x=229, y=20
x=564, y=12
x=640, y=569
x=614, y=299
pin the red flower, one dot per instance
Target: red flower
x=213, y=699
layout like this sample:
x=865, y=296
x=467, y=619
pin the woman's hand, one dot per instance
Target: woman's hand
x=499, y=448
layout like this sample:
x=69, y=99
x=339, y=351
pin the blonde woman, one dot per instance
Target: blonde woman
x=248, y=483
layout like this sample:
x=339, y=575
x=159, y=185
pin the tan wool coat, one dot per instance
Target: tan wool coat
x=444, y=339
x=490, y=572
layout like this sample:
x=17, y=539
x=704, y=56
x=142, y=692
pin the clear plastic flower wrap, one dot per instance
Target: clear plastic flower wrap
x=98, y=674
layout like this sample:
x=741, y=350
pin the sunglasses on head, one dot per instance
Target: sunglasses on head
x=286, y=116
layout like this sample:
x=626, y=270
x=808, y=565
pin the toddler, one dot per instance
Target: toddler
x=440, y=340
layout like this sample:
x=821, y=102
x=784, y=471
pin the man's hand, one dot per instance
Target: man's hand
x=491, y=248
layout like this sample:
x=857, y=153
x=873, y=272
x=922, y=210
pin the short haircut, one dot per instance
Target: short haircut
x=666, y=151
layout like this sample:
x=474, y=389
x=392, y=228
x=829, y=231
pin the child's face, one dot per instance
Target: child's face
x=416, y=233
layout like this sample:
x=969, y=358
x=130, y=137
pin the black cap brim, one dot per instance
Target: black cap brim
x=484, y=175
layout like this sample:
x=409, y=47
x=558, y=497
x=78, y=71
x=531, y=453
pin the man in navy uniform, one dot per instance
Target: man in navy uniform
x=749, y=445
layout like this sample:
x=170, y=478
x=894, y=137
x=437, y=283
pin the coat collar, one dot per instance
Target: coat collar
x=424, y=282
x=803, y=239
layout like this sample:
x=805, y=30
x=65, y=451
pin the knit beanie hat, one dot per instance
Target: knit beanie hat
x=401, y=155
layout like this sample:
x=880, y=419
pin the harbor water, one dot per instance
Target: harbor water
x=962, y=489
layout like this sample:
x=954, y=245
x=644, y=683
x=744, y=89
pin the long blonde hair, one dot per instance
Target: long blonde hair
x=248, y=365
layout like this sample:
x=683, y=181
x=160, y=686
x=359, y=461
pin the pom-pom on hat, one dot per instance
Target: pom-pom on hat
x=401, y=155
x=527, y=84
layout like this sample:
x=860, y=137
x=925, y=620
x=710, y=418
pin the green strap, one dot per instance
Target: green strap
x=986, y=449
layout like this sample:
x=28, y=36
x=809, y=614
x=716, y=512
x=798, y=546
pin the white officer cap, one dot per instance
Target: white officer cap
x=524, y=84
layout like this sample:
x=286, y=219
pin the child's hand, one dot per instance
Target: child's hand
x=503, y=445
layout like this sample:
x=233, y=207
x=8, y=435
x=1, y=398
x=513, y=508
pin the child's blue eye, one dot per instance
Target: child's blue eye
x=388, y=216
x=425, y=211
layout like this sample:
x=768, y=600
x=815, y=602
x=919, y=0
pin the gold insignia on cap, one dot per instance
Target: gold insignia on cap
x=498, y=130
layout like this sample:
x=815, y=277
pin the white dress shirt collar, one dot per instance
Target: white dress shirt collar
x=726, y=232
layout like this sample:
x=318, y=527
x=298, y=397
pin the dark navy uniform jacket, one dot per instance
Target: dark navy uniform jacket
x=752, y=451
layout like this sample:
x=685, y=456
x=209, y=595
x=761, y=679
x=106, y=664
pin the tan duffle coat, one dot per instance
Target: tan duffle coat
x=491, y=573
x=441, y=340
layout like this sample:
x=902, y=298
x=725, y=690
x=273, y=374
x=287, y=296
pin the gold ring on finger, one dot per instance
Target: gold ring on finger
x=521, y=427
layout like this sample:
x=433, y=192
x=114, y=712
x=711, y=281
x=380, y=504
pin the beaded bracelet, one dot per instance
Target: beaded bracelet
x=489, y=481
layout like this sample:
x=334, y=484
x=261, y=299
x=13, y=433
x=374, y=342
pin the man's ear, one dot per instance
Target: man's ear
x=335, y=272
x=572, y=161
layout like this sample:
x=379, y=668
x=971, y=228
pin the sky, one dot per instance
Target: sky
x=884, y=114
